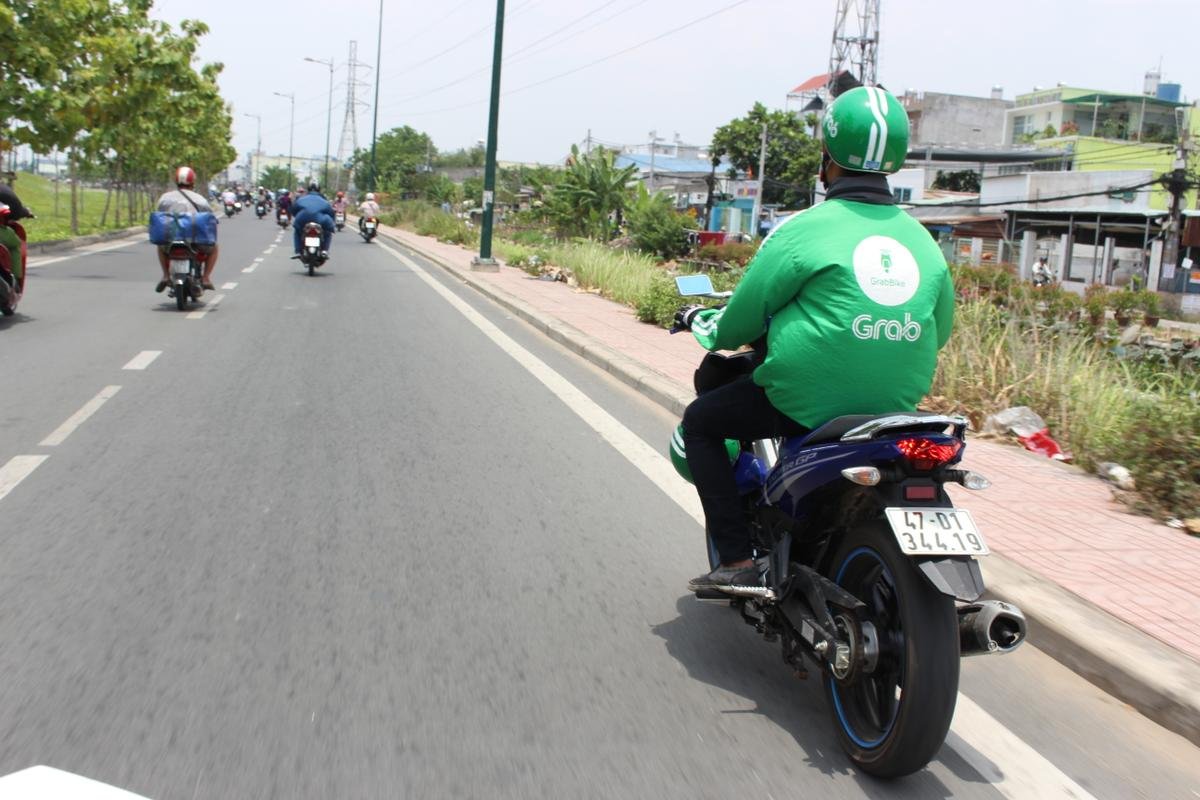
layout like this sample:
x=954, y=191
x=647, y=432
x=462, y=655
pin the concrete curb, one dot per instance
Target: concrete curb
x=59, y=245
x=1159, y=681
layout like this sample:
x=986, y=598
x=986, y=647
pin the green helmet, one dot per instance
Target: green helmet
x=679, y=458
x=866, y=130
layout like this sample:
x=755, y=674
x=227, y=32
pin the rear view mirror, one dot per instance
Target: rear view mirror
x=693, y=285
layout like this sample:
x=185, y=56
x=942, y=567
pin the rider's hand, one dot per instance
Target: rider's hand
x=685, y=316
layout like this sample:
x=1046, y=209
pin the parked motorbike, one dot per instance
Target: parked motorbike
x=187, y=273
x=339, y=219
x=283, y=217
x=867, y=567
x=310, y=250
x=260, y=209
x=368, y=229
x=12, y=289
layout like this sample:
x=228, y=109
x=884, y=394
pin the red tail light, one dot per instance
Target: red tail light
x=925, y=454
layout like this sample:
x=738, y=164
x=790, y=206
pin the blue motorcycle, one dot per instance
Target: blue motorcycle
x=867, y=568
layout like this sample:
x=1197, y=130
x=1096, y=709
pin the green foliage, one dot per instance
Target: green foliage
x=276, y=178
x=733, y=253
x=53, y=221
x=963, y=180
x=401, y=156
x=656, y=227
x=463, y=157
x=472, y=191
x=590, y=196
x=793, y=157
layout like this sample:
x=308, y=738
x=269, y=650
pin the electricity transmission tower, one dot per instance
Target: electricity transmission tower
x=855, y=42
x=348, y=144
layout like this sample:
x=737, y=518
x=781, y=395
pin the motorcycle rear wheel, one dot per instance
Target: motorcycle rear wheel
x=894, y=720
x=182, y=293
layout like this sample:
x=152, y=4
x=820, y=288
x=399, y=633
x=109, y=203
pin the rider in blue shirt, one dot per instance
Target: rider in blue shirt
x=312, y=207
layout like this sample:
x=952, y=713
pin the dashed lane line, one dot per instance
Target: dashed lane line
x=250, y=268
x=81, y=416
x=16, y=470
x=1012, y=767
x=208, y=306
x=143, y=359
x=229, y=285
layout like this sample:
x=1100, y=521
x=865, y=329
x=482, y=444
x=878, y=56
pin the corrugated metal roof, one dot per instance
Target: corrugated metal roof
x=1112, y=97
x=666, y=165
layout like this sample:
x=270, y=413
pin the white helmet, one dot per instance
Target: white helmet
x=370, y=195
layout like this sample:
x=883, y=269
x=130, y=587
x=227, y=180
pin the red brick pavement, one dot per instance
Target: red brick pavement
x=1057, y=522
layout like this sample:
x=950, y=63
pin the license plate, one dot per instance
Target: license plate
x=370, y=226
x=180, y=266
x=312, y=241
x=936, y=532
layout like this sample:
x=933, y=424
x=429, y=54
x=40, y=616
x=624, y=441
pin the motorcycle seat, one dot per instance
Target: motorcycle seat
x=838, y=427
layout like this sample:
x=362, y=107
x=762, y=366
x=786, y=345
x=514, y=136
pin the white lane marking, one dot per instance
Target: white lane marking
x=143, y=359
x=229, y=285
x=16, y=470
x=251, y=268
x=654, y=466
x=81, y=252
x=208, y=306
x=81, y=416
x=1015, y=768
x=258, y=260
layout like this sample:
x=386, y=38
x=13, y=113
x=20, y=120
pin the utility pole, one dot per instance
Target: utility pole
x=654, y=139
x=762, y=164
x=1176, y=183
x=485, y=262
x=375, y=110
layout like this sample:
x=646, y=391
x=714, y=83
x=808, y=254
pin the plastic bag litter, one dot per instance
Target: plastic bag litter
x=1031, y=431
x=1117, y=474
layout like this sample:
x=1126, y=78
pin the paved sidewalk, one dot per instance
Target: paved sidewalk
x=1055, y=522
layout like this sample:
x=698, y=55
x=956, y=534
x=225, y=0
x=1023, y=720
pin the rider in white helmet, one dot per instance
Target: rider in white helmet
x=367, y=208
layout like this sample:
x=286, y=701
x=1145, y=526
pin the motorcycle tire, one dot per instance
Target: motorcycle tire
x=181, y=296
x=890, y=738
x=311, y=269
x=7, y=311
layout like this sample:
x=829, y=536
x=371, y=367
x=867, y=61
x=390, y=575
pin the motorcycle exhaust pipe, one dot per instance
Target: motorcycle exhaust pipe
x=990, y=626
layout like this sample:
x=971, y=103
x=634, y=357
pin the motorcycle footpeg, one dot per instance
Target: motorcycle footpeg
x=757, y=592
x=710, y=594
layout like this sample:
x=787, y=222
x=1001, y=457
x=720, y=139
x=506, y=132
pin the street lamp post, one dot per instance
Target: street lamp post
x=258, y=146
x=375, y=108
x=291, y=129
x=329, y=116
x=485, y=262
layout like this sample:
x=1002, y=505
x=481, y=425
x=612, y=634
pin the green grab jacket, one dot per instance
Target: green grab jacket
x=855, y=299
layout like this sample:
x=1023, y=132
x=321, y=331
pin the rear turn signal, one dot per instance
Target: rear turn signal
x=925, y=454
x=863, y=476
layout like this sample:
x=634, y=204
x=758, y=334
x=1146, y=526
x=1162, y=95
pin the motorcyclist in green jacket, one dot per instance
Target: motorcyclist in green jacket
x=855, y=300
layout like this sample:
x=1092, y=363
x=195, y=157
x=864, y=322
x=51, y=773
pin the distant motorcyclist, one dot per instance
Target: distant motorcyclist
x=12, y=210
x=340, y=203
x=185, y=201
x=312, y=207
x=367, y=208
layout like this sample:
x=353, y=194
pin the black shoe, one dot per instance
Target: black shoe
x=208, y=285
x=162, y=285
x=726, y=579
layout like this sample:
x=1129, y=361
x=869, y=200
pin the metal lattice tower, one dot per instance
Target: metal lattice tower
x=348, y=143
x=855, y=41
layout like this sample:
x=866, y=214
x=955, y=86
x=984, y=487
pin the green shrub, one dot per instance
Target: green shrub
x=738, y=253
x=656, y=227
x=660, y=301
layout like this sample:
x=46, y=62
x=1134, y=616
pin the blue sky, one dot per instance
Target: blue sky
x=436, y=60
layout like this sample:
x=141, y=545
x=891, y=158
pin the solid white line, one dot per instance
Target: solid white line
x=16, y=470
x=143, y=359
x=250, y=268
x=208, y=306
x=83, y=251
x=1013, y=768
x=1016, y=769
x=61, y=433
x=654, y=466
x=229, y=285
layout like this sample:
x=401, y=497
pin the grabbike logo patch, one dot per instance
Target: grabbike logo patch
x=886, y=271
x=865, y=327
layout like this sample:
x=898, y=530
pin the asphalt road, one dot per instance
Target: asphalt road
x=341, y=539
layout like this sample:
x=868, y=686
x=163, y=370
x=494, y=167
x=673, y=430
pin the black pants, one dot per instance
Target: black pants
x=739, y=410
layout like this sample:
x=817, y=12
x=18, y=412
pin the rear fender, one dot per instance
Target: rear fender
x=959, y=578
